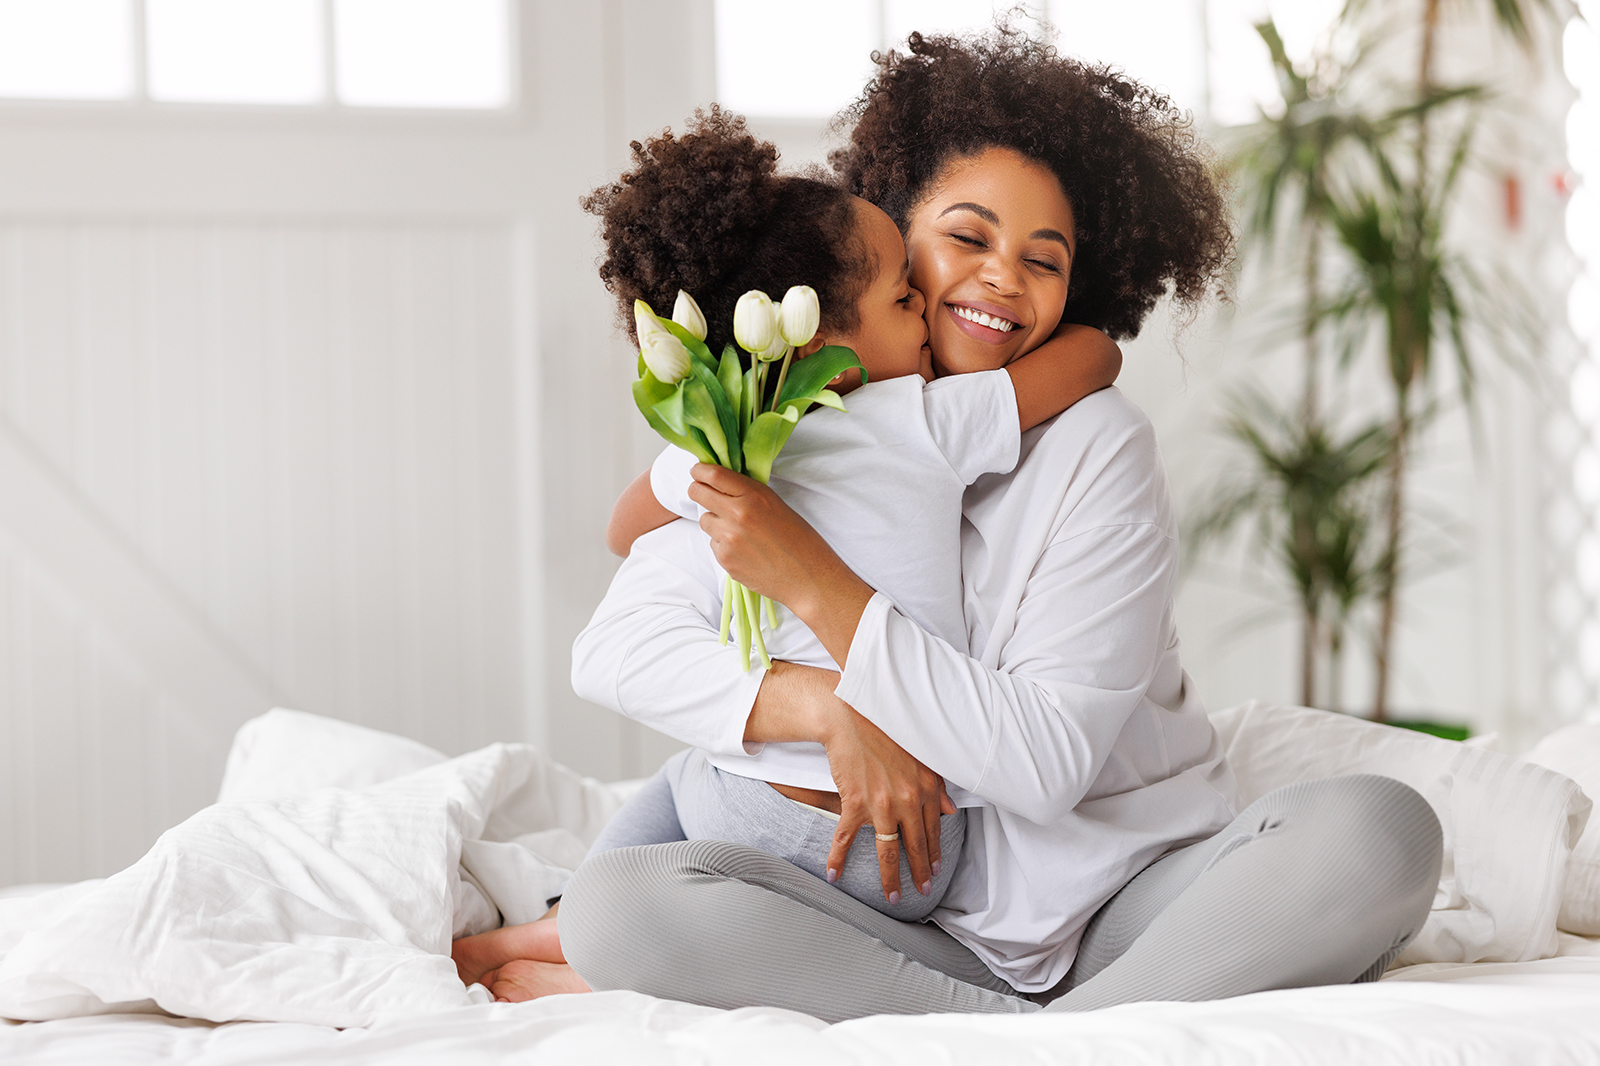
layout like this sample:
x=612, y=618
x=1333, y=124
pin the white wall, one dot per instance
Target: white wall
x=309, y=408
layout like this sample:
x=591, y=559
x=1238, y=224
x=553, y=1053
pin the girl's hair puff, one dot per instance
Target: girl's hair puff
x=1147, y=211
x=708, y=212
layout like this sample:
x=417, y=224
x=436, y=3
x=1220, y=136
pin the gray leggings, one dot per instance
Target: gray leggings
x=1316, y=883
x=691, y=799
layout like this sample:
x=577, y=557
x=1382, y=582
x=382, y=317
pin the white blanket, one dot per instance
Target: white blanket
x=336, y=907
x=291, y=901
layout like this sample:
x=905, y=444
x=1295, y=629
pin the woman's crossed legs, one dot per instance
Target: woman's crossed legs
x=1316, y=883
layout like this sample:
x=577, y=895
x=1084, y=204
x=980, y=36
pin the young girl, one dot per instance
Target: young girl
x=708, y=213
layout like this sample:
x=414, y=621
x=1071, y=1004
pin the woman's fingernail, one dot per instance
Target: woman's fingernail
x=936, y=864
x=927, y=886
x=833, y=875
x=894, y=898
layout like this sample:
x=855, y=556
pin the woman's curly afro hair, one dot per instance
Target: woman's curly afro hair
x=709, y=213
x=1148, y=214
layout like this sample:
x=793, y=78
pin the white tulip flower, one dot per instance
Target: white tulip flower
x=666, y=357
x=774, y=351
x=755, y=321
x=646, y=324
x=687, y=314
x=800, y=316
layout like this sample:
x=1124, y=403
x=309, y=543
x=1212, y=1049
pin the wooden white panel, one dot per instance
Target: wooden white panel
x=292, y=442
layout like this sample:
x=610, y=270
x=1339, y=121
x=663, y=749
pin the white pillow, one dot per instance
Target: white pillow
x=1575, y=751
x=1509, y=826
x=286, y=753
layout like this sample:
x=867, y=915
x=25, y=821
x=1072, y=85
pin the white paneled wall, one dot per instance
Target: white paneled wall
x=303, y=434
x=313, y=408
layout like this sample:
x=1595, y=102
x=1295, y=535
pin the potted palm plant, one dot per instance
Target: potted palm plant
x=1360, y=182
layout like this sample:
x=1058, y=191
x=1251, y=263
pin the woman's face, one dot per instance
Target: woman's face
x=991, y=248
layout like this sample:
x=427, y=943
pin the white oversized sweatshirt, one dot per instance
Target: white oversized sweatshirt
x=1071, y=722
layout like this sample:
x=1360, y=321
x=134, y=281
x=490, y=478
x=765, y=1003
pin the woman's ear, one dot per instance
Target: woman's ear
x=810, y=347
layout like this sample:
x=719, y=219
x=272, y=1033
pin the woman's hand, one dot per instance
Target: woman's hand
x=883, y=786
x=879, y=783
x=768, y=548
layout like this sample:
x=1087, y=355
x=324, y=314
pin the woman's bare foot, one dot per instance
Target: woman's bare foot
x=476, y=956
x=523, y=979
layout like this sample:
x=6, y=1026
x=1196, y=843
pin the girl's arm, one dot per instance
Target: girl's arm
x=636, y=512
x=1074, y=362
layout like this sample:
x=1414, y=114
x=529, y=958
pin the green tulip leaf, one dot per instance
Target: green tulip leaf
x=706, y=406
x=731, y=376
x=811, y=375
x=671, y=412
x=769, y=432
x=647, y=394
x=829, y=398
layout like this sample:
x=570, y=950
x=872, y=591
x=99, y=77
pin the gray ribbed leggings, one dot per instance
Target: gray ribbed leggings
x=1316, y=883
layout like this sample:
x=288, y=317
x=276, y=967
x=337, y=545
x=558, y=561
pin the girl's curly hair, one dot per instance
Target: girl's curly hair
x=709, y=213
x=1147, y=211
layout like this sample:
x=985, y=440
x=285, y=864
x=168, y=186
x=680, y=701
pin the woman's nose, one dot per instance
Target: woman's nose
x=998, y=274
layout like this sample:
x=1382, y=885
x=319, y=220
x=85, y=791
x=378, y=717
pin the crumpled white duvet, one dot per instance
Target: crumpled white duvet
x=335, y=907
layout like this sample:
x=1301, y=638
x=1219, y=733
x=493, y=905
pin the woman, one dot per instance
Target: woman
x=1104, y=863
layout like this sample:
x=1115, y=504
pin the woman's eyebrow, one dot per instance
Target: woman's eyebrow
x=977, y=209
x=1051, y=235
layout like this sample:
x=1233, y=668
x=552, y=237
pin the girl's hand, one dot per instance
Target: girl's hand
x=883, y=786
x=769, y=549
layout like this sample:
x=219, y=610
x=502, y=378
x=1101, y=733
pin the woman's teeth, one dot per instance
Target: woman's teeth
x=982, y=319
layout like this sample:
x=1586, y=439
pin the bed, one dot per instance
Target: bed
x=304, y=918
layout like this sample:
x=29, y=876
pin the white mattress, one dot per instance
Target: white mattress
x=1526, y=1012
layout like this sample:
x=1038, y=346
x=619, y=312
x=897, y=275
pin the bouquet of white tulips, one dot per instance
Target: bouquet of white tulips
x=733, y=417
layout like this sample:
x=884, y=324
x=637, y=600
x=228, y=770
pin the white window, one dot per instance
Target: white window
x=807, y=60
x=355, y=53
x=66, y=49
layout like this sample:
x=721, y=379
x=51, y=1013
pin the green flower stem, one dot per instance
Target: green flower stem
x=741, y=623
x=783, y=373
x=772, y=615
x=753, y=616
x=727, y=607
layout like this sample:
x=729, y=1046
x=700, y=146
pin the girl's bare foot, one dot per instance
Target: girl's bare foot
x=476, y=956
x=523, y=979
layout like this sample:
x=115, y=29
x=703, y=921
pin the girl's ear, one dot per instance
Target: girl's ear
x=810, y=347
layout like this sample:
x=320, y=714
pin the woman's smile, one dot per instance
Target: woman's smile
x=991, y=249
x=983, y=322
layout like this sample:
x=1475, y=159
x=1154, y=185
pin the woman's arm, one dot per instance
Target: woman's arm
x=651, y=652
x=1074, y=362
x=1030, y=736
x=636, y=512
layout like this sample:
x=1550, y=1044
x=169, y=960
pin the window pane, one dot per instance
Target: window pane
x=1157, y=42
x=423, y=53
x=66, y=49
x=236, y=51
x=804, y=60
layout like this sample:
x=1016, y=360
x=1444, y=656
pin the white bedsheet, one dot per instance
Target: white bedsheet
x=325, y=909
x=1546, y=1011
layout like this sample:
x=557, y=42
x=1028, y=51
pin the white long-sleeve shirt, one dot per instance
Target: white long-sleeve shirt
x=1073, y=720
x=883, y=484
